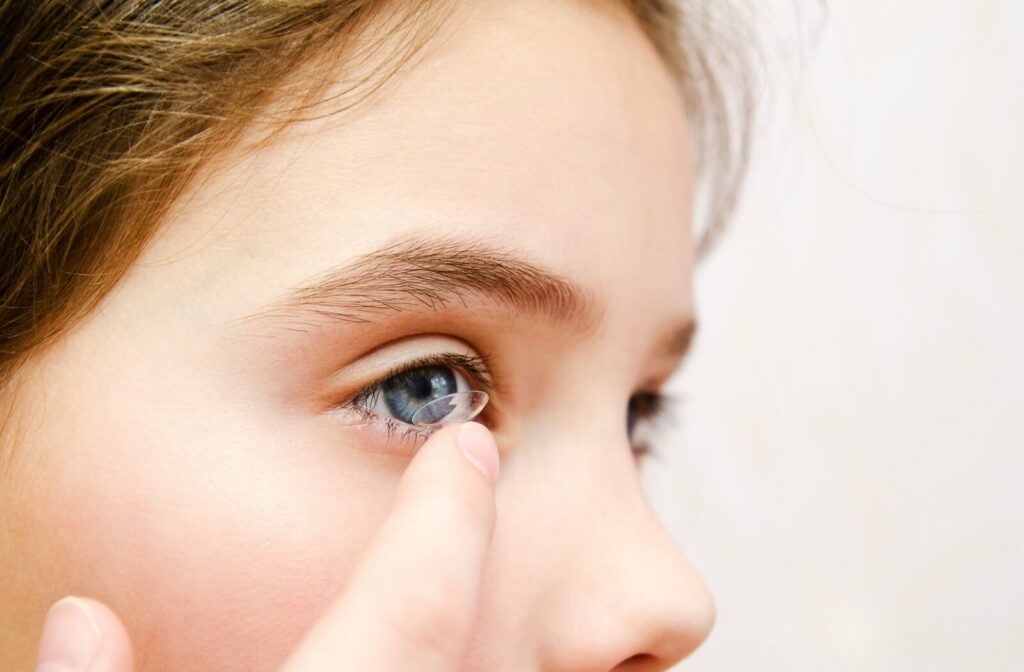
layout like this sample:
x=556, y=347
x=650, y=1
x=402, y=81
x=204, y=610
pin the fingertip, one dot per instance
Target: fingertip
x=392, y=616
x=116, y=654
x=476, y=443
x=83, y=635
x=71, y=636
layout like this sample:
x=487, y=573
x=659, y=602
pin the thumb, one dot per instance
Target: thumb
x=411, y=602
x=83, y=635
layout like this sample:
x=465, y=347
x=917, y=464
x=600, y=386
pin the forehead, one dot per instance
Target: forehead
x=549, y=128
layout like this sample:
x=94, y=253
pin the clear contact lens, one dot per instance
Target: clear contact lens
x=457, y=407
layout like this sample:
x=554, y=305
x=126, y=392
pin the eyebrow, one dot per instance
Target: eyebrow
x=431, y=274
x=679, y=340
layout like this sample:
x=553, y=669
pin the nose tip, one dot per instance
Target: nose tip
x=631, y=602
x=671, y=618
x=600, y=583
x=645, y=619
x=675, y=630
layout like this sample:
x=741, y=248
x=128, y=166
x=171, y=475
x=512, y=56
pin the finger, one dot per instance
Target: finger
x=83, y=635
x=411, y=602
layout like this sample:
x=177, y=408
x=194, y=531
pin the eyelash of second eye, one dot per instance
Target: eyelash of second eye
x=473, y=365
x=662, y=412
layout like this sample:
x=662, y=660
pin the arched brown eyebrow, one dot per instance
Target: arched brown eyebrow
x=430, y=274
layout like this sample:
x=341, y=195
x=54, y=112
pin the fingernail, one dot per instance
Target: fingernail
x=71, y=637
x=477, y=444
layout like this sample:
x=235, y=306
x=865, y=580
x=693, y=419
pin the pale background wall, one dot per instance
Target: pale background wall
x=849, y=472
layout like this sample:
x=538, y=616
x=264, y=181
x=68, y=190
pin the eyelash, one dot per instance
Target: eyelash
x=658, y=410
x=473, y=366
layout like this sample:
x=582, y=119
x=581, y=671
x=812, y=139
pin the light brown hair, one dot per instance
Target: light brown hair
x=107, y=109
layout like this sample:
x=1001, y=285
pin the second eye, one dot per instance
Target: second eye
x=401, y=395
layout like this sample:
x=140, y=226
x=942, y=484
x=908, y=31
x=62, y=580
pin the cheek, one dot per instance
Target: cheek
x=217, y=537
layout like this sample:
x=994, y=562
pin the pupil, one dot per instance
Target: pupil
x=421, y=387
x=407, y=392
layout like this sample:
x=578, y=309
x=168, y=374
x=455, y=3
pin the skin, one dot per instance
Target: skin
x=176, y=462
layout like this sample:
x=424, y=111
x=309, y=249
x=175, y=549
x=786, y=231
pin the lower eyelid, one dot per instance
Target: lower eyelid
x=395, y=436
x=401, y=432
x=384, y=435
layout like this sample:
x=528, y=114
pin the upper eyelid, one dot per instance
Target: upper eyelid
x=394, y=355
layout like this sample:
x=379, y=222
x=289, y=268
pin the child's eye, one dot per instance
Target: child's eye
x=645, y=409
x=427, y=394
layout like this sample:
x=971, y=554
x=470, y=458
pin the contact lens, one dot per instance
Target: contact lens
x=457, y=407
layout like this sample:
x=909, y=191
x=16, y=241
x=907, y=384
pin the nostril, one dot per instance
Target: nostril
x=641, y=662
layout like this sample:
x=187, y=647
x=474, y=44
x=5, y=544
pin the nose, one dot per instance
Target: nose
x=619, y=593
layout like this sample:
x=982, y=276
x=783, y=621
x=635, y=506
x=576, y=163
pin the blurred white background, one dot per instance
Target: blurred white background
x=849, y=471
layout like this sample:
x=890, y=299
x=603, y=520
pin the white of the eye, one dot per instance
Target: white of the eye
x=378, y=406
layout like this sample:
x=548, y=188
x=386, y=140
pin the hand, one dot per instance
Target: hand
x=387, y=618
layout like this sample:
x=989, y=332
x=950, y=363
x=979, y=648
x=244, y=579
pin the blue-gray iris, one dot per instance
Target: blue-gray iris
x=405, y=393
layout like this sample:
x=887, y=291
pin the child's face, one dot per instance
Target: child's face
x=181, y=458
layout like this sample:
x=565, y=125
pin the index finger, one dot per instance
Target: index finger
x=411, y=602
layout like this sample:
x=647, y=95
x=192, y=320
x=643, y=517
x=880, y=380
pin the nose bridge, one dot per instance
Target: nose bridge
x=621, y=590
